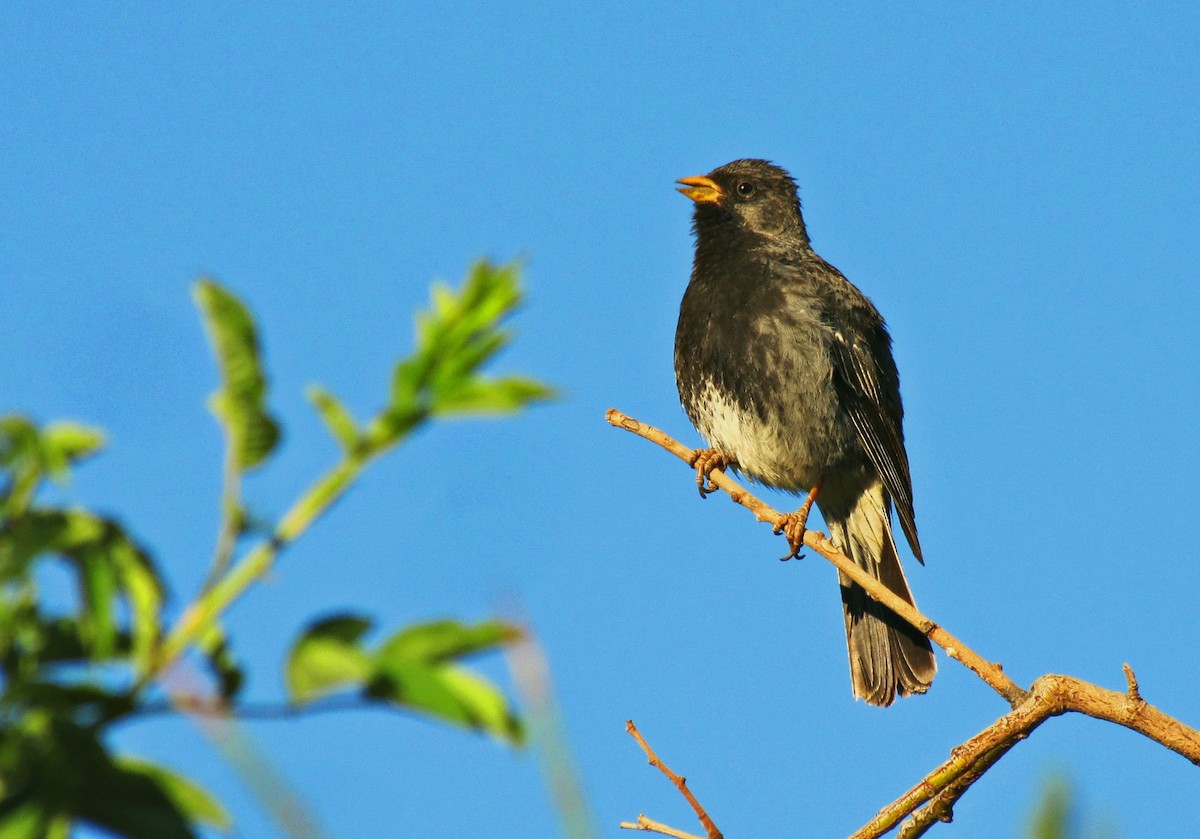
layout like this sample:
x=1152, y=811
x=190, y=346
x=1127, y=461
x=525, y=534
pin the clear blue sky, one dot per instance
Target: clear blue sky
x=1015, y=187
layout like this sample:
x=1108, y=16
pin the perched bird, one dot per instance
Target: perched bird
x=786, y=369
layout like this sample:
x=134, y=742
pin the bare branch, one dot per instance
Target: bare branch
x=932, y=799
x=644, y=823
x=992, y=674
x=1050, y=696
x=680, y=783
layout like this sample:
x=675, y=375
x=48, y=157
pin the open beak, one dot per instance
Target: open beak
x=700, y=189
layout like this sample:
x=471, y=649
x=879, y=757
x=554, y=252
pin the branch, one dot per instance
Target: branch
x=195, y=705
x=645, y=823
x=307, y=509
x=680, y=783
x=1050, y=696
x=992, y=674
x=231, y=513
x=932, y=799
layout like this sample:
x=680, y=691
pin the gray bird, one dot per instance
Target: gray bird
x=786, y=369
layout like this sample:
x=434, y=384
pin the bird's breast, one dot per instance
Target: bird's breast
x=755, y=380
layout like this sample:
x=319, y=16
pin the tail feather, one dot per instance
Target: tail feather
x=887, y=656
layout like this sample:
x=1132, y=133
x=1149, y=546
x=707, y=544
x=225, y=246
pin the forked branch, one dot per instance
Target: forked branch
x=932, y=799
x=680, y=782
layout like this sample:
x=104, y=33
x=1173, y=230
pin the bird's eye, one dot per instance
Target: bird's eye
x=745, y=189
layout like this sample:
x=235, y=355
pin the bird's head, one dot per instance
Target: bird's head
x=754, y=196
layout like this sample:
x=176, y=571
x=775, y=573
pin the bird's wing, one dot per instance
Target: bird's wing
x=871, y=396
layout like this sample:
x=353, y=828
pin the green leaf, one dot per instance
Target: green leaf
x=191, y=799
x=327, y=658
x=64, y=443
x=441, y=641
x=23, y=819
x=337, y=419
x=28, y=638
x=108, y=564
x=19, y=441
x=412, y=669
x=490, y=396
x=131, y=804
x=450, y=693
x=28, y=454
x=240, y=404
x=143, y=591
x=98, y=587
x=67, y=773
x=460, y=332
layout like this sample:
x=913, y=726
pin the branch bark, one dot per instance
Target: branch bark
x=932, y=798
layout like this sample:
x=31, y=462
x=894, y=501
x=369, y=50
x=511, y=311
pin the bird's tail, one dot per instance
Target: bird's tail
x=887, y=656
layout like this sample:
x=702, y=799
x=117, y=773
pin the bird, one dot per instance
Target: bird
x=786, y=369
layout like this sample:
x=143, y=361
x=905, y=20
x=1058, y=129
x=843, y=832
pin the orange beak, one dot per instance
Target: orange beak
x=700, y=189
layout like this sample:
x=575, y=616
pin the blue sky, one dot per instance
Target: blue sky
x=1014, y=186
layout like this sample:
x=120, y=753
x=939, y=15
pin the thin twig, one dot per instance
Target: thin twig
x=644, y=823
x=680, y=783
x=231, y=511
x=308, y=508
x=202, y=706
x=992, y=674
x=1132, y=682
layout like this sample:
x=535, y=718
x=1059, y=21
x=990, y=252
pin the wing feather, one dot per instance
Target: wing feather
x=871, y=397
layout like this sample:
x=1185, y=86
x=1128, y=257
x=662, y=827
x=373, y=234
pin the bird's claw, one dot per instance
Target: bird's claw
x=794, y=525
x=705, y=461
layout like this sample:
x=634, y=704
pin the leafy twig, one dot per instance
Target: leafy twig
x=442, y=378
x=240, y=406
x=201, y=613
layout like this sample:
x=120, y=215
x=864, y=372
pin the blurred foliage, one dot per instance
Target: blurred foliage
x=68, y=675
x=413, y=668
x=240, y=404
x=1056, y=815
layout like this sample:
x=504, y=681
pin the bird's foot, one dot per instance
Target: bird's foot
x=794, y=525
x=705, y=461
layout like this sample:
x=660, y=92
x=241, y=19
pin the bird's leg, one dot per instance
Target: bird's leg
x=705, y=461
x=794, y=525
